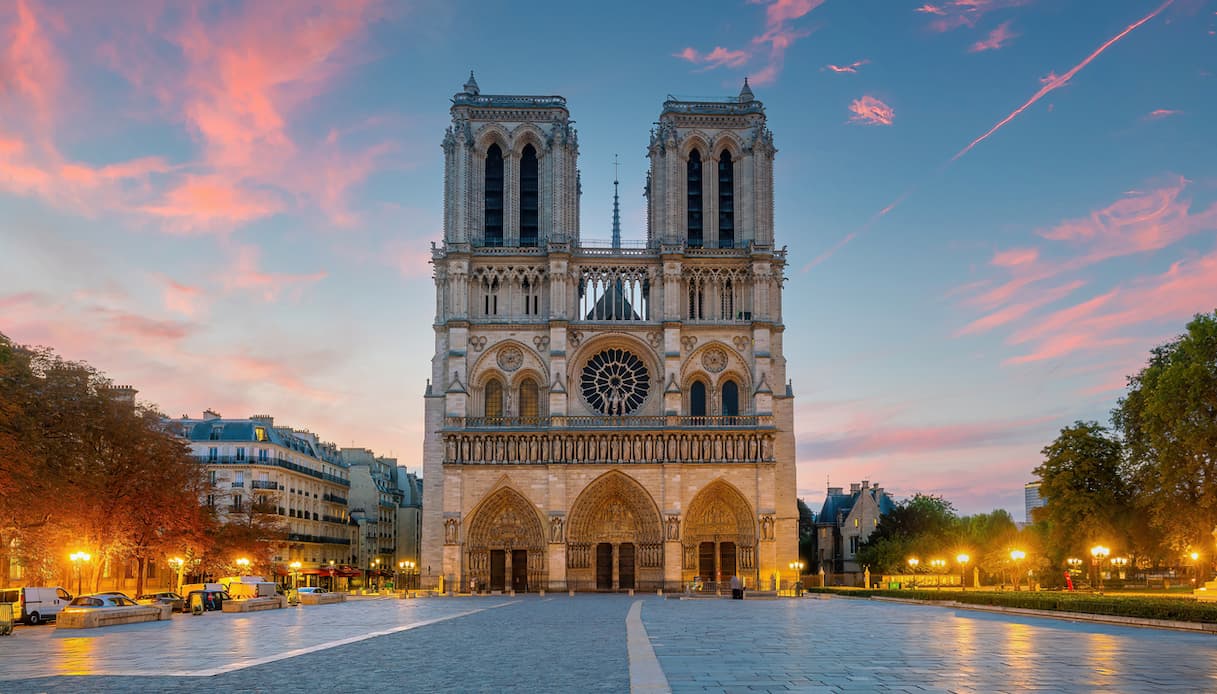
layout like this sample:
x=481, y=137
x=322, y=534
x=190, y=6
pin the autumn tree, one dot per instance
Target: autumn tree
x=1169, y=422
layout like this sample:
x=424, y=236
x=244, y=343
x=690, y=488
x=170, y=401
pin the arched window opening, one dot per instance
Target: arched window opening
x=696, y=311
x=726, y=201
x=694, y=199
x=493, y=235
x=493, y=396
x=530, y=191
x=530, y=400
x=697, y=399
x=730, y=399
x=728, y=301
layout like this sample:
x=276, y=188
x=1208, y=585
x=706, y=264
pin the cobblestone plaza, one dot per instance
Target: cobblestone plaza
x=609, y=643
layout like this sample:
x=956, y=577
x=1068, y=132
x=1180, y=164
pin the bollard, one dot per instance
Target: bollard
x=631, y=592
x=571, y=592
x=512, y=593
x=542, y=594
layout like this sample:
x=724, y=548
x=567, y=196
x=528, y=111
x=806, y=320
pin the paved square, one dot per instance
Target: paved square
x=596, y=643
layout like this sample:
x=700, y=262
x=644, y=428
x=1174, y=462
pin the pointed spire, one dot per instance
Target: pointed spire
x=616, y=209
x=471, y=87
x=745, y=94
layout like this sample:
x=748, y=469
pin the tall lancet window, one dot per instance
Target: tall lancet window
x=530, y=193
x=493, y=396
x=494, y=197
x=697, y=399
x=530, y=400
x=694, y=202
x=726, y=201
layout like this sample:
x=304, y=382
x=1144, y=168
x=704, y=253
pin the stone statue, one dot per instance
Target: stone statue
x=673, y=527
x=555, y=529
x=452, y=528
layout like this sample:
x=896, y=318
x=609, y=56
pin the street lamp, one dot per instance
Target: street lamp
x=1119, y=563
x=937, y=566
x=242, y=565
x=1195, y=557
x=178, y=564
x=1098, y=553
x=78, y=559
x=295, y=567
x=913, y=562
x=410, y=567
x=797, y=568
x=401, y=566
x=1016, y=556
x=963, y=565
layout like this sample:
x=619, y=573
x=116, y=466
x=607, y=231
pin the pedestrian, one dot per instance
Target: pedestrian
x=737, y=588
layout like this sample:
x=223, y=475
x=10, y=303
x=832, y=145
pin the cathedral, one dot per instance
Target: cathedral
x=607, y=415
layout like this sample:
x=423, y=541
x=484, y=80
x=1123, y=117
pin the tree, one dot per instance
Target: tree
x=1169, y=423
x=921, y=526
x=807, y=533
x=1085, y=495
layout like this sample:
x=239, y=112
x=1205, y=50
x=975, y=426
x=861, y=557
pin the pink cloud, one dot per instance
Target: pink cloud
x=1015, y=256
x=771, y=44
x=852, y=67
x=255, y=370
x=1015, y=311
x=1160, y=113
x=181, y=298
x=953, y=14
x=871, y=111
x=997, y=38
x=247, y=275
x=891, y=439
x=1053, y=82
x=201, y=203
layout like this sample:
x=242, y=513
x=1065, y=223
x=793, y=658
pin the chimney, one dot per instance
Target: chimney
x=854, y=488
x=123, y=394
x=834, y=490
x=262, y=419
x=866, y=484
x=210, y=414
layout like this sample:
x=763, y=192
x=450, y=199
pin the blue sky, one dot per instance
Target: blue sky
x=230, y=205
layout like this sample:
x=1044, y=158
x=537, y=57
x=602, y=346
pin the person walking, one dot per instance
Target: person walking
x=737, y=588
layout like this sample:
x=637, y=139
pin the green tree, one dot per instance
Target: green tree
x=807, y=534
x=921, y=526
x=1085, y=495
x=1169, y=422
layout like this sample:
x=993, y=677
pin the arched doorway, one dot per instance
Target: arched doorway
x=719, y=536
x=614, y=537
x=505, y=546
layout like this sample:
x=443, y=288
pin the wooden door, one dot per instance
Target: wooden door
x=625, y=565
x=498, y=568
x=726, y=555
x=705, y=561
x=604, y=566
x=519, y=570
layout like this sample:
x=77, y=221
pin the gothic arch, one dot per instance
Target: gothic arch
x=527, y=134
x=492, y=134
x=505, y=522
x=488, y=365
x=729, y=142
x=696, y=140
x=720, y=516
x=615, y=510
x=735, y=368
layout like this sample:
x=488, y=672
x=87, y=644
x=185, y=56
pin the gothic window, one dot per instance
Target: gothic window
x=494, y=197
x=493, y=396
x=728, y=301
x=530, y=399
x=726, y=201
x=694, y=199
x=529, y=197
x=695, y=301
x=697, y=399
x=615, y=382
x=730, y=399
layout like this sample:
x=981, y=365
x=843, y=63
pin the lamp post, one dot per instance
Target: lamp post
x=963, y=565
x=1119, y=563
x=295, y=567
x=373, y=566
x=178, y=565
x=1098, y=553
x=1195, y=558
x=401, y=566
x=913, y=562
x=333, y=578
x=797, y=568
x=938, y=565
x=411, y=567
x=1016, y=557
x=78, y=560
x=242, y=565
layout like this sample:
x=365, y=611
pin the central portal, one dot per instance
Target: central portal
x=625, y=565
x=614, y=537
x=519, y=570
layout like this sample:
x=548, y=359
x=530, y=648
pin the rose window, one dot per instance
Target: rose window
x=615, y=382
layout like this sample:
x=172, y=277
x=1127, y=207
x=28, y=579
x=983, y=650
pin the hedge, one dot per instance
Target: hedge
x=1178, y=609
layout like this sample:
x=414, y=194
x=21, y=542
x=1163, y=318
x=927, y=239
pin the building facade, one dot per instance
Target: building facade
x=843, y=524
x=1031, y=501
x=280, y=477
x=373, y=507
x=410, y=523
x=603, y=416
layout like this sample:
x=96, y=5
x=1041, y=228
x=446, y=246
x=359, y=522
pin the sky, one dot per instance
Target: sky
x=993, y=208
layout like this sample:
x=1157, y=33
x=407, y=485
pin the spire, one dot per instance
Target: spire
x=745, y=94
x=616, y=209
x=471, y=87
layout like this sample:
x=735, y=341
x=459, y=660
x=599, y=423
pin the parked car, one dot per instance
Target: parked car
x=34, y=604
x=99, y=601
x=168, y=598
x=213, y=595
x=293, y=595
x=310, y=589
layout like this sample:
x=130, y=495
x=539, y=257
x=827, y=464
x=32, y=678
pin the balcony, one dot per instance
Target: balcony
x=319, y=539
x=605, y=422
x=334, y=499
x=265, y=484
x=238, y=484
x=274, y=462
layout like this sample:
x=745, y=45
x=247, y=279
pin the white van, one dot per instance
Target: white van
x=33, y=604
x=244, y=587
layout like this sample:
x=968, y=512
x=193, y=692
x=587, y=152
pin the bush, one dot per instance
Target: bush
x=1177, y=609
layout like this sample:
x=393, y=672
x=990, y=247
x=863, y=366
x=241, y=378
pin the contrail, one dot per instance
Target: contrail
x=1052, y=82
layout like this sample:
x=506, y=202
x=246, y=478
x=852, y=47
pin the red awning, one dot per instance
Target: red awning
x=318, y=572
x=346, y=572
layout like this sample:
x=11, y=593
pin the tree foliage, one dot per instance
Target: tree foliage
x=1169, y=423
x=81, y=468
x=1087, y=499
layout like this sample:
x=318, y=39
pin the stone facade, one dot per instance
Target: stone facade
x=603, y=417
x=845, y=521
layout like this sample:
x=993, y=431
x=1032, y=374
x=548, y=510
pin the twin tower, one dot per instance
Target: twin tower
x=607, y=415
